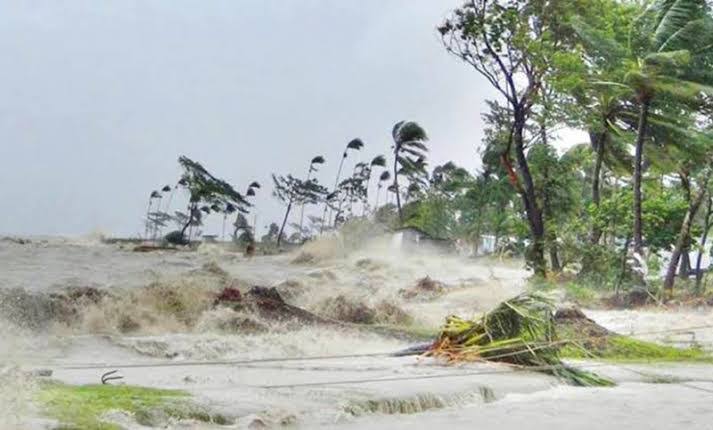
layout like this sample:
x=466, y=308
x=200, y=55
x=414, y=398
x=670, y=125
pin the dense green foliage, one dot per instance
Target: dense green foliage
x=635, y=78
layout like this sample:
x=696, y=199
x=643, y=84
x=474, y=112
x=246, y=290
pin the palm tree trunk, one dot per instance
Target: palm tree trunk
x=599, y=141
x=706, y=229
x=154, y=233
x=639, y=154
x=365, y=203
x=302, y=206
x=324, y=218
x=146, y=226
x=225, y=217
x=191, y=208
x=396, y=186
x=336, y=184
x=681, y=241
x=339, y=210
x=284, y=221
x=622, y=272
x=376, y=203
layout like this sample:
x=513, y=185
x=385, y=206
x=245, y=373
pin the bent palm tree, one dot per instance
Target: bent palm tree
x=409, y=153
x=669, y=55
x=356, y=145
x=385, y=176
x=154, y=195
x=312, y=168
x=378, y=161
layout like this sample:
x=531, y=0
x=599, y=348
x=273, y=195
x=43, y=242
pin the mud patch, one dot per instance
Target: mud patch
x=344, y=309
x=586, y=339
x=572, y=323
x=425, y=289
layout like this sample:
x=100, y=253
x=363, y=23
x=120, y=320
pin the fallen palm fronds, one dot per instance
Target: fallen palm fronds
x=520, y=331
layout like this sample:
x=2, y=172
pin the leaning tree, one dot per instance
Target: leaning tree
x=383, y=178
x=290, y=191
x=512, y=44
x=207, y=193
x=665, y=62
x=409, y=155
x=312, y=168
x=354, y=145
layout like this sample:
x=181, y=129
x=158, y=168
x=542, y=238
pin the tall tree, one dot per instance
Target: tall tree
x=312, y=168
x=670, y=52
x=378, y=161
x=206, y=189
x=290, y=190
x=685, y=232
x=354, y=145
x=154, y=195
x=409, y=154
x=384, y=177
x=510, y=43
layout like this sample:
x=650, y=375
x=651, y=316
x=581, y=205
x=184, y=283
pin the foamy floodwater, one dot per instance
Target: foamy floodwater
x=157, y=309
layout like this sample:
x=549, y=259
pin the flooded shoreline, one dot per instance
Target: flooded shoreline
x=169, y=299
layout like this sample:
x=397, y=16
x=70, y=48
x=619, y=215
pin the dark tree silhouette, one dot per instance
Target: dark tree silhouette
x=290, y=190
x=205, y=190
x=409, y=154
x=312, y=168
x=355, y=145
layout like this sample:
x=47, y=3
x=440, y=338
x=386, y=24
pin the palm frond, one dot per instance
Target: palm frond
x=379, y=160
x=519, y=331
x=694, y=35
x=673, y=15
x=408, y=131
x=355, y=144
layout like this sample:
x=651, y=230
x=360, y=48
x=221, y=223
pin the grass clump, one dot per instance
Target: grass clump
x=577, y=291
x=519, y=331
x=627, y=349
x=84, y=406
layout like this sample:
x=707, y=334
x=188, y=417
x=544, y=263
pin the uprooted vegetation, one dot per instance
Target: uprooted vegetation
x=519, y=331
x=87, y=407
x=526, y=332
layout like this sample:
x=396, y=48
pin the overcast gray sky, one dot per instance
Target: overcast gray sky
x=98, y=99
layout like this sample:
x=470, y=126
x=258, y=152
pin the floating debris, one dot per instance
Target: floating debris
x=519, y=331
